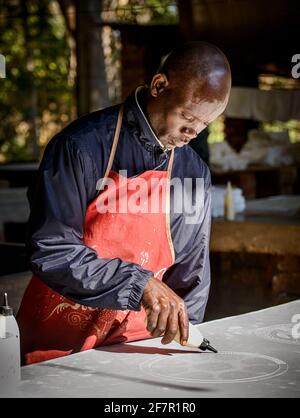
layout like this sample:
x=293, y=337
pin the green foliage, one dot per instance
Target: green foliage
x=141, y=11
x=33, y=41
x=216, y=131
x=292, y=126
x=37, y=95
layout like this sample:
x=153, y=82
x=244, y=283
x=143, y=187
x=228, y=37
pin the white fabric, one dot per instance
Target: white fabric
x=239, y=105
x=262, y=148
x=218, y=193
x=225, y=158
x=264, y=105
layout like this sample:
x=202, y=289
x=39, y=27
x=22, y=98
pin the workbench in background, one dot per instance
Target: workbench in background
x=262, y=181
x=255, y=260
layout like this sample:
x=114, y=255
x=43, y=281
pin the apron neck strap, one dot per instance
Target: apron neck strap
x=171, y=161
x=114, y=149
x=115, y=142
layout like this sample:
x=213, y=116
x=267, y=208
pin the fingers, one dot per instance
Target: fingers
x=152, y=317
x=172, y=326
x=166, y=312
x=166, y=321
x=183, y=324
x=162, y=319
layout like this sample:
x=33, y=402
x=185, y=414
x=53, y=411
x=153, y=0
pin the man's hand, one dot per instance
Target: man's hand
x=166, y=312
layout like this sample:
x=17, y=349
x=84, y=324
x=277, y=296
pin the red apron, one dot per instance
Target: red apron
x=52, y=326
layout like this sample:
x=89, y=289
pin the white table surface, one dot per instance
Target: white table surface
x=258, y=357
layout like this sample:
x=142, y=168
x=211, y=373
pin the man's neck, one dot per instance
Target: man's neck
x=142, y=101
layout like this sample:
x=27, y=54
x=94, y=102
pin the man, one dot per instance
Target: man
x=100, y=276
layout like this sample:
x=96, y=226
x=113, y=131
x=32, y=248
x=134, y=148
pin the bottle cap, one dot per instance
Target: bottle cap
x=206, y=346
x=6, y=310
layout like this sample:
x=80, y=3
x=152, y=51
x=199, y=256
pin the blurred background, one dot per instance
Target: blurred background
x=63, y=59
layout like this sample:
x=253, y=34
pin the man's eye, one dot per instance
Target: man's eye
x=188, y=118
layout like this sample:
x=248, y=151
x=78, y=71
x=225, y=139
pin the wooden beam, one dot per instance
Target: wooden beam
x=92, y=88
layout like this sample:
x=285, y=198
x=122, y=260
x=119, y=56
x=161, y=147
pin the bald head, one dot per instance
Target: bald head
x=189, y=91
x=199, y=66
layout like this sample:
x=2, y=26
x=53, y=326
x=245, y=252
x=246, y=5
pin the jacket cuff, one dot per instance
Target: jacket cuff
x=137, y=290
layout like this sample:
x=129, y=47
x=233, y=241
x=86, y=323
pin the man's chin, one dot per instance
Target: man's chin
x=180, y=144
x=177, y=144
x=172, y=143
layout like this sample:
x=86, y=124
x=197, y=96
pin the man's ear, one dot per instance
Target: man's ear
x=158, y=84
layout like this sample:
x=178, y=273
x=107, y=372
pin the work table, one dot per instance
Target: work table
x=258, y=357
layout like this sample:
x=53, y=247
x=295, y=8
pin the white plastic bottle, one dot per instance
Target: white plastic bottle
x=229, y=211
x=10, y=364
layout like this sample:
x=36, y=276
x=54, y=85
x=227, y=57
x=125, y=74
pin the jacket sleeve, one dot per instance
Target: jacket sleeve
x=190, y=278
x=55, y=245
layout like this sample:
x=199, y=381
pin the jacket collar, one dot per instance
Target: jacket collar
x=138, y=122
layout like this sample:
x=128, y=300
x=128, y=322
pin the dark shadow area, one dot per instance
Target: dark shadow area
x=135, y=349
x=19, y=174
x=15, y=232
x=245, y=282
x=14, y=285
x=13, y=258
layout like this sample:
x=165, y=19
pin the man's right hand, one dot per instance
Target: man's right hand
x=166, y=312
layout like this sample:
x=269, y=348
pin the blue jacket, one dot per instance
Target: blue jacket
x=73, y=162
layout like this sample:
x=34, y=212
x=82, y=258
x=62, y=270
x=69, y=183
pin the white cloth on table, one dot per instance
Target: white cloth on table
x=264, y=105
x=262, y=148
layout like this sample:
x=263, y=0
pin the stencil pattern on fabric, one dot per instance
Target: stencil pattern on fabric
x=279, y=333
x=226, y=367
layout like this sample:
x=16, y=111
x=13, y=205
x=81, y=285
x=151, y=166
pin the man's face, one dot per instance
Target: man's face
x=185, y=121
x=183, y=114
